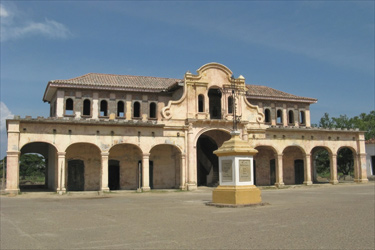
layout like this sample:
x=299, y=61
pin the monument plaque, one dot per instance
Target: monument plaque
x=245, y=172
x=226, y=171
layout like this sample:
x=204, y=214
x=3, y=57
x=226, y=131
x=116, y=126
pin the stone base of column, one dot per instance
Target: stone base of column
x=191, y=186
x=361, y=180
x=334, y=182
x=307, y=183
x=236, y=195
x=12, y=191
x=61, y=191
x=183, y=187
x=105, y=190
x=145, y=189
x=280, y=185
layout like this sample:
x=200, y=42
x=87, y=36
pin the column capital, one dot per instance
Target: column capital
x=146, y=155
x=13, y=153
x=105, y=154
x=61, y=154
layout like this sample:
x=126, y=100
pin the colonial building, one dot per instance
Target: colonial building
x=114, y=132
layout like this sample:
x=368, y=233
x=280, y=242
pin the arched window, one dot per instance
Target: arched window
x=302, y=118
x=69, y=107
x=120, y=109
x=152, y=110
x=267, y=114
x=230, y=105
x=86, y=107
x=291, y=117
x=214, y=97
x=200, y=103
x=103, y=108
x=136, y=110
x=279, y=118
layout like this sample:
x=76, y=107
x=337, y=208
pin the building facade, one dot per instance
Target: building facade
x=114, y=132
x=370, y=152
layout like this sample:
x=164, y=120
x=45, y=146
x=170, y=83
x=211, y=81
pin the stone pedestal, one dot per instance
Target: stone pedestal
x=236, y=175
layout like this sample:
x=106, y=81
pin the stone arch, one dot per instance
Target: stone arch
x=49, y=152
x=129, y=157
x=265, y=165
x=83, y=163
x=320, y=164
x=165, y=166
x=207, y=163
x=293, y=165
x=214, y=65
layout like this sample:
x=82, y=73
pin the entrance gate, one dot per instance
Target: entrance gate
x=76, y=175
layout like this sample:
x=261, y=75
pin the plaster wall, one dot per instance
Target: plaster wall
x=370, y=152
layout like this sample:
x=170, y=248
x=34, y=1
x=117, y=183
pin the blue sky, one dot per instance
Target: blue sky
x=319, y=49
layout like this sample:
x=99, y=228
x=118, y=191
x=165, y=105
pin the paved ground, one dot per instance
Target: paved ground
x=318, y=217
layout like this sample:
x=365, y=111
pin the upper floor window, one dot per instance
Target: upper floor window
x=291, y=117
x=152, y=110
x=69, y=107
x=103, y=108
x=200, y=103
x=267, y=114
x=120, y=109
x=87, y=107
x=302, y=118
x=230, y=105
x=279, y=118
x=136, y=110
x=214, y=97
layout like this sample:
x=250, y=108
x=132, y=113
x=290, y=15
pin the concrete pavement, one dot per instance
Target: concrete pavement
x=316, y=217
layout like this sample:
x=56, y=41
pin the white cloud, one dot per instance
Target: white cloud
x=5, y=113
x=15, y=25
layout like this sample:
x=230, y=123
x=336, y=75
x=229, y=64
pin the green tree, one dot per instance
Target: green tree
x=32, y=165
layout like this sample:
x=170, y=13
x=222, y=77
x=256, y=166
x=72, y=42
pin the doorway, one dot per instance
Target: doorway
x=298, y=172
x=114, y=175
x=76, y=175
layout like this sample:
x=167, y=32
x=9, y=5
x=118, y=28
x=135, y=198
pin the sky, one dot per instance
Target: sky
x=318, y=49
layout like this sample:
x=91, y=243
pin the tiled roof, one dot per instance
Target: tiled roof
x=370, y=141
x=120, y=81
x=263, y=92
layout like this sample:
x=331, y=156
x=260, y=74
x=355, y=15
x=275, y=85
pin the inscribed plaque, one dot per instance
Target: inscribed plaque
x=226, y=171
x=245, y=172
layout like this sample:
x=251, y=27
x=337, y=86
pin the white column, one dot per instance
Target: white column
x=192, y=162
x=146, y=172
x=183, y=172
x=104, y=178
x=333, y=168
x=279, y=170
x=307, y=171
x=61, y=173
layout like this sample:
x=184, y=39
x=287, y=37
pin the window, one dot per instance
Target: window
x=69, y=107
x=267, y=114
x=230, y=105
x=291, y=117
x=302, y=118
x=86, y=107
x=279, y=119
x=153, y=110
x=120, y=109
x=103, y=108
x=136, y=110
x=214, y=97
x=200, y=103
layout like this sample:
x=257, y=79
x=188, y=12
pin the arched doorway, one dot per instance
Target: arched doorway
x=321, y=165
x=214, y=96
x=38, y=167
x=164, y=167
x=207, y=162
x=123, y=167
x=265, y=167
x=83, y=171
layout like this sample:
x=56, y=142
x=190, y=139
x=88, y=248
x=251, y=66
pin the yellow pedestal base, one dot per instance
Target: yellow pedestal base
x=236, y=195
